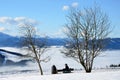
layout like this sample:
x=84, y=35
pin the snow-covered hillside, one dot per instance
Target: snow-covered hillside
x=57, y=58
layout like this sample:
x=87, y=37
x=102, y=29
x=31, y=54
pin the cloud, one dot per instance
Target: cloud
x=6, y=20
x=17, y=21
x=2, y=29
x=65, y=7
x=75, y=4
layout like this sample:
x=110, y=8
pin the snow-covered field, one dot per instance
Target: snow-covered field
x=112, y=75
x=30, y=71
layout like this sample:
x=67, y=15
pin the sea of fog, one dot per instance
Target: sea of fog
x=59, y=59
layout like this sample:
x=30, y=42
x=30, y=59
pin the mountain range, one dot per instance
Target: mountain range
x=11, y=41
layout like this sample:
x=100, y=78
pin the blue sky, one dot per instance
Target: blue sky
x=49, y=16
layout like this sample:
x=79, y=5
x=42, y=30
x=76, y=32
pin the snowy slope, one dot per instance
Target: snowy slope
x=58, y=59
x=30, y=71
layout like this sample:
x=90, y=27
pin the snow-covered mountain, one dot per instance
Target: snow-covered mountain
x=112, y=43
x=10, y=41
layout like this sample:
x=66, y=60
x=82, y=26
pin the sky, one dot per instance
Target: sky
x=49, y=16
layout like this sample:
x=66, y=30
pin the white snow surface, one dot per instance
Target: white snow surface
x=111, y=75
x=58, y=59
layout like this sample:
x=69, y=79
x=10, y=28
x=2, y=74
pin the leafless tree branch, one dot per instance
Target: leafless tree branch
x=86, y=32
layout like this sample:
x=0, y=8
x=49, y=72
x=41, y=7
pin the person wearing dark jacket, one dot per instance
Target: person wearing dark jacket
x=54, y=69
x=66, y=69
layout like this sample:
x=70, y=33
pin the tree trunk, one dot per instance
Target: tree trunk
x=40, y=68
x=88, y=70
x=41, y=71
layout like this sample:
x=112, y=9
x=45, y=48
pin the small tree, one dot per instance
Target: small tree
x=86, y=31
x=35, y=46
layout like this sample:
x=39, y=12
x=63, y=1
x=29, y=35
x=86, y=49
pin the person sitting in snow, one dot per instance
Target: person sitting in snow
x=66, y=69
x=54, y=69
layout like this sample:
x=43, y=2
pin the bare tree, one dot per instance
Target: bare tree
x=33, y=44
x=86, y=31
